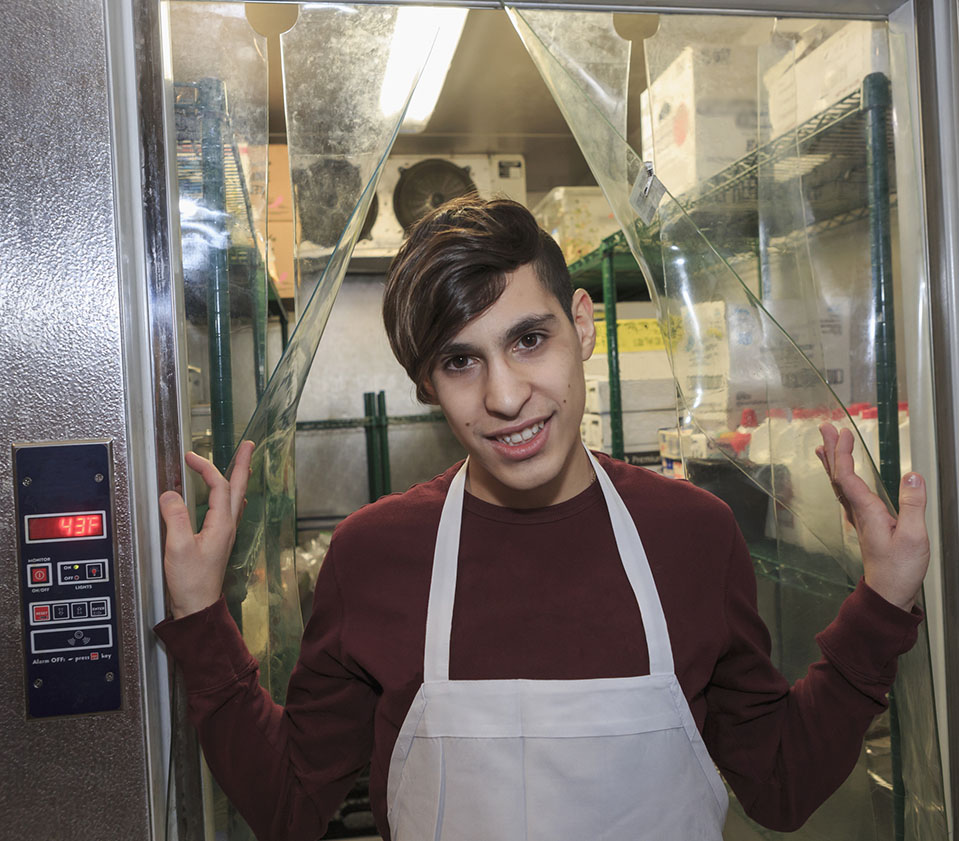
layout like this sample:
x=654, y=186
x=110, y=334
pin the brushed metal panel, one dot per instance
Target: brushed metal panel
x=61, y=377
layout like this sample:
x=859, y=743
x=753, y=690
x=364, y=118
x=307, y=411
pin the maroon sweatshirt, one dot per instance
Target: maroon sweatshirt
x=540, y=594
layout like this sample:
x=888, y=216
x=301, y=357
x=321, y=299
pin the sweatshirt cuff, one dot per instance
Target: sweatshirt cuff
x=866, y=638
x=208, y=647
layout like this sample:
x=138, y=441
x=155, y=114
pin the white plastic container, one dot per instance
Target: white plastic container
x=905, y=444
x=818, y=525
x=869, y=430
x=868, y=424
x=766, y=437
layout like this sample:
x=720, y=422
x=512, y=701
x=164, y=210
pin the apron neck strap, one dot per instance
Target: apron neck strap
x=439, y=613
x=439, y=619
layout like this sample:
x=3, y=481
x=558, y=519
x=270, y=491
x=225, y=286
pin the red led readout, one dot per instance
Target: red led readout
x=64, y=527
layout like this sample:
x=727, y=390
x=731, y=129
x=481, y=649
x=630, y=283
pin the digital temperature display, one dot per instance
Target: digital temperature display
x=77, y=526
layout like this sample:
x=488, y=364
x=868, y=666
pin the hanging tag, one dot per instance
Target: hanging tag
x=647, y=192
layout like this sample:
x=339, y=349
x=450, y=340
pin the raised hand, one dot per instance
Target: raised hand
x=895, y=553
x=196, y=563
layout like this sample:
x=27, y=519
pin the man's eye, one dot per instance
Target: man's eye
x=530, y=340
x=457, y=363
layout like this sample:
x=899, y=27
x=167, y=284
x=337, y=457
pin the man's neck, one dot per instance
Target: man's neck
x=577, y=475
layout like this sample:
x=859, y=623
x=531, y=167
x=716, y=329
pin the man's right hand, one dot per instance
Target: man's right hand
x=196, y=563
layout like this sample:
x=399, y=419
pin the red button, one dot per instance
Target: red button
x=39, y=575
x=94, y=655
x=41, y=613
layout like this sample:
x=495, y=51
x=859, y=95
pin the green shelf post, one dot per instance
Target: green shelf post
x=876, y=101
x=372, y=446
x=612, y=352
x=382, y=421
x=212, y=101
x=258, y=292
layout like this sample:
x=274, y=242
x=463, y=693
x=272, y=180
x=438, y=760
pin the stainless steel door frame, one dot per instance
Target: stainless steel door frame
x=938, y=55
x=154, y=356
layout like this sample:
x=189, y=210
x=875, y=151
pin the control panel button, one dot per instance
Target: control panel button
x=61, y=611
x=41, y=613
x=99, y=609
x=38, y=575
x=79, y=610
x=71, y=572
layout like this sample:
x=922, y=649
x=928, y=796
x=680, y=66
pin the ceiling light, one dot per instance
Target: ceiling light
x=414, y=25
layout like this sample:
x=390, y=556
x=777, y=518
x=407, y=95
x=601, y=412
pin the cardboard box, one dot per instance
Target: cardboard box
x=640, y=430
x=725, y=356
x=578, y=218
x=637, y=395
x=703, y=113
x=801, y=86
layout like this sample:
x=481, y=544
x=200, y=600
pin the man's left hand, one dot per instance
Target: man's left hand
x=895, y=552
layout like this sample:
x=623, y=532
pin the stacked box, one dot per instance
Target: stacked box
x=640, y=430
x=636, y=395
x=798, y=90
x=727, y=367
x=676, y=445
x=578, y=218
x=703, y=113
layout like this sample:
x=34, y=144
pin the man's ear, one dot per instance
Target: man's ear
x=582, y=310
x=429, y=392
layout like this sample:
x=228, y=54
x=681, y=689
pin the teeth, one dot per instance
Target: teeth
x=519, y=437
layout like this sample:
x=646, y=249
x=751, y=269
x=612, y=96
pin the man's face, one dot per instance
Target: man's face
x=511, y=386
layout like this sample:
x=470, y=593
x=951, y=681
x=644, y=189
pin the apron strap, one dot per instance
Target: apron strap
x=439, y=618
x=633, y=555
x=439, y=612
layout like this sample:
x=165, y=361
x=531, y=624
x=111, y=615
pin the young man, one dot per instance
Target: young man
x=541, y=643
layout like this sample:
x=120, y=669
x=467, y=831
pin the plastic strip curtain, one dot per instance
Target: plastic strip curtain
x=345, y=103
x=813, y=194
x=729, y=353
x=219, y=66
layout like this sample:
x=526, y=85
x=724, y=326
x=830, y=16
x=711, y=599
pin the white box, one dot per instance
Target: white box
x=798, y=90
x=678, y=445
x=578, y=218
x=703, y=109
x=727, y=367
x=640, y=430
x=636, y=395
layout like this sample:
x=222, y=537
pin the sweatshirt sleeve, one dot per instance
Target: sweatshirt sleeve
x=783, y=749
x=286, y=768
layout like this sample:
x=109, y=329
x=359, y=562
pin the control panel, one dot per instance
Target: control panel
x=66, y=549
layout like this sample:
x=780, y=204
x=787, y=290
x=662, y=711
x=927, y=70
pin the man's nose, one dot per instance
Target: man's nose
x=507, y=389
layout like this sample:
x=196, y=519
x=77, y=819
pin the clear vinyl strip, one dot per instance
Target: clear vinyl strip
x=344, y=106
x=738, y=346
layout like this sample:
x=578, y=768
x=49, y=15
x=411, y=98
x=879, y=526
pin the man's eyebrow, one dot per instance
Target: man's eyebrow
x=530, y=324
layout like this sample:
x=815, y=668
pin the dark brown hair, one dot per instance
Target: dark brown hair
x=453, y=267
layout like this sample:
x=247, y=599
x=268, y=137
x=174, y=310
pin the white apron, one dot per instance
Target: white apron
x=606, y=759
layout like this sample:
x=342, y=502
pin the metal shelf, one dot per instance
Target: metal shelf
x=192, y=151
x=791, y=566
x=827, y=150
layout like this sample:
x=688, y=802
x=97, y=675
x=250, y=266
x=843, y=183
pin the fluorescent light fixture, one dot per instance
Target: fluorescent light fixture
x=412, y=38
